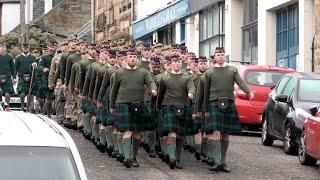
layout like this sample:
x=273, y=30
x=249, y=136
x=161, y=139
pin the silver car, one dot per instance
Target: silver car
x=36, y=147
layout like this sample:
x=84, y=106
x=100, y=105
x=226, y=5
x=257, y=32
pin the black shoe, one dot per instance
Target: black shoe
x=74, y=125
x=185, y=147
x=146, y=147
x=191, y=149
x=102, y=148
x=225, y=168
x=197, y=155
x=67, y=123
x=127, y=163
x=152, y=154
x=114, y=154
x=109, y=151
x=179, y=165
x=166, y=158
x=134, y=163
x=215, y=167
x=172, y=164
x=210, y=162
x=204, y=159
x=88, y=136
x=160, y=155
x=80, y=128
x=121, y=158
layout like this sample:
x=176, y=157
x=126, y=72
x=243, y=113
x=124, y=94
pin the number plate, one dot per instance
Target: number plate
x=15, y=100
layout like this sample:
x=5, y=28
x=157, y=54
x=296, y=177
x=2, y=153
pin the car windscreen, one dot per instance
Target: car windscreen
x=37, y=163
x=308, y=90
x=263, y=78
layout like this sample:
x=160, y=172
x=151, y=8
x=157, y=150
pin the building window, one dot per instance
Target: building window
x=250, y=32
x=182, y=31
x=287, y=41
x=211, y=29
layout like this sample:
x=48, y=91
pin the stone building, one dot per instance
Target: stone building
x=113, y=19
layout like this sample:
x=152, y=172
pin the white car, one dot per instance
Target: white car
x=36, y=147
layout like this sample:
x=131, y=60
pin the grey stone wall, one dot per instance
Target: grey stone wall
x=38, y=8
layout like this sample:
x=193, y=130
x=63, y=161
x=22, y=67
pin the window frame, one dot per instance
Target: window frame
x=204, y=38
x=287, y=35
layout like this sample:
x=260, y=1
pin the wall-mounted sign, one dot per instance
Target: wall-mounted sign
x=160, y=19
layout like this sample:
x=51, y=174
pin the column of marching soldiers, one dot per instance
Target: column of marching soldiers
x=122, y=96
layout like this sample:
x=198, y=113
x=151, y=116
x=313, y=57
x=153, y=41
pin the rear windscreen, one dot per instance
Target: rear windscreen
x=263, y=78
x=37, y=163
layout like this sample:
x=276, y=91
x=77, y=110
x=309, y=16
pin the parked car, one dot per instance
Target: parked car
x=261, y=80
x=280, y=121
x=309, y=146
x=35, y=147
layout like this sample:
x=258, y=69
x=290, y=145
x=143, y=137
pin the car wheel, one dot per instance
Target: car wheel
x=267, y=140
x=289, y=145
x=304, y=158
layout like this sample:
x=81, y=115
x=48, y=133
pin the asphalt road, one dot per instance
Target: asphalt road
x=247, y=158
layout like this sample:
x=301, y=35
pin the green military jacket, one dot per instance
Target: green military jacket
x=7, y=66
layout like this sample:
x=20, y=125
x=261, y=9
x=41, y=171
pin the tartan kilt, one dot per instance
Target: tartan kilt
x=199, y=124
x=104, y=111
x=182, y=125
x=159, y=124
x=7, y=87
x=96, y=112
x=36, y=84
x=23, y=86
x=227, y=122
x=43, y=88
x=127, y=121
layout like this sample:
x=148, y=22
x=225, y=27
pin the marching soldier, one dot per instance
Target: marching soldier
x=44, y=68
x=71, y=103
x=101, y=70
x=106, y=117
x=221, y=112
x=7, y=73
x=86, y=81
x=34, y=106
x=150, y=101
x=126, y=97
x=55, y=82
x=174, y=91
x=198, y=121
x=23, y=67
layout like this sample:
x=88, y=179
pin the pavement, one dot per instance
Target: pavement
x=247, y=158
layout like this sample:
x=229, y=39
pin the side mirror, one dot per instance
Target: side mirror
x=282, y=98
x=313, y=110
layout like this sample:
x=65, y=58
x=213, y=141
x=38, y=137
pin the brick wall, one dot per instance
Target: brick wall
x=67, y=17
x=38, y=8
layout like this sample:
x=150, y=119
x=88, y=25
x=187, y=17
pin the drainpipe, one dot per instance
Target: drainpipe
x=312, y=58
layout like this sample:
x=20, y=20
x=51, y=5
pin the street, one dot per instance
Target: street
x=247, y=158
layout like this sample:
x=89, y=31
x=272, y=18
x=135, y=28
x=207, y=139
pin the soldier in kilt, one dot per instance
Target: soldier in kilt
x=198, y=121
x=23, y=67
x=220, y=107
x=34, y=106
x=175, y=90
x=7, y=73
x=106, y=117
x=150, y=101
x=44, y=67
x=101, y=70
x=87, y=74
x=126, y=97
x=159, y=119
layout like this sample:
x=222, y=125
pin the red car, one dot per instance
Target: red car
x=261, y=80
x=309, y=147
